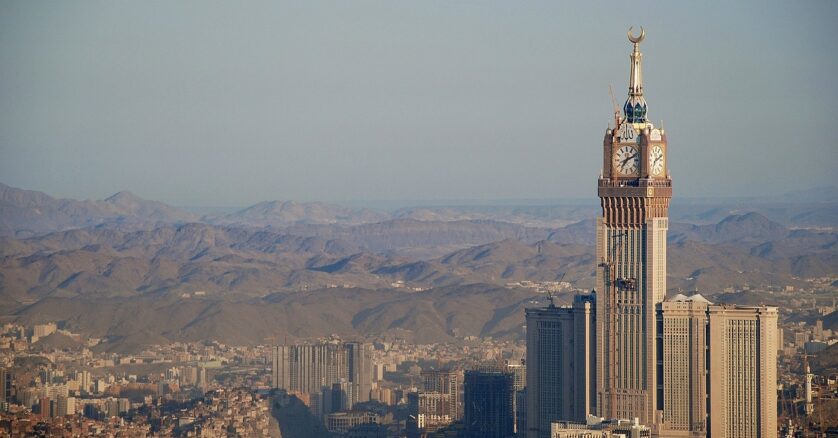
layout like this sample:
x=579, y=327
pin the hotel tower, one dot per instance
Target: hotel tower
x=684, y=367
x=634, y=191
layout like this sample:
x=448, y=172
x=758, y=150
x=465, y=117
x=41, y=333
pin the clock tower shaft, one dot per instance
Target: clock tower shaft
x=634, y=191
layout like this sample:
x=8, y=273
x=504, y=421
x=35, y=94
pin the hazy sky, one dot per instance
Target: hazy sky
x=229, y=103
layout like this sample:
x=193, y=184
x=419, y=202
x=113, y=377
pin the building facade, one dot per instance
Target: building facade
x=488, y=404
x=560, y=364
x=683, y=323
x=449, y=383
x=595, y=427
x=308, y=368
x=743, y=371
x=718, y=369
x=359, y=369
x=634, y=190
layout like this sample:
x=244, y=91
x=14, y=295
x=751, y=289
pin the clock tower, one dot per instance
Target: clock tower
x=634, y=190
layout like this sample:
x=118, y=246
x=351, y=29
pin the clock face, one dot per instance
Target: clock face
x=656, y=160
x=626, y=160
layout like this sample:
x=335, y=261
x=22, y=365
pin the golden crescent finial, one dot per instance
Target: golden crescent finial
x=637, y=40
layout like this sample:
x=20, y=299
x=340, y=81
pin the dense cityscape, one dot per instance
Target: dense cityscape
x=210, y=389
x=628, y=358
x=418, y=219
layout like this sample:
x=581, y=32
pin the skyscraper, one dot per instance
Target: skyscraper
x=281, y=367
x=560, y=364
x=308, y=368
x=359, y=369
x=718, y=369
x=634, y=190
x=743, y=371
x=448, y=382
x=683, y=324
x=488, y=404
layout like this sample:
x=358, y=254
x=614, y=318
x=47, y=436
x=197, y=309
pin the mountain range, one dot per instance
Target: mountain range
x=133, y=270
x=25, y=213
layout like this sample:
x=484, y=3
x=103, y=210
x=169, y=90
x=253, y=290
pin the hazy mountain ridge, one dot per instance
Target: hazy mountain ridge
x=228, y=261
x=423, y=239
x=25, y=213
x=750, y=226
x=130, y=257
x=285, y=213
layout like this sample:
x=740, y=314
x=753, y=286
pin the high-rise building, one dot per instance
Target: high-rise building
x=634, y=190
x=519, y=375
x=519, y=383
x=560, y=364
x=308, y=368
x=359, y=369
x=84, y=380
x=521, y=413
x=433, y=410
x=717, y=369
x=682, y=322
x=339, y=396
x=743, y=371
x=66, y=406
x=6, y=383
x=202, y=381
x=45, y=407
x=281, y=367
x=449, y=382
x=43, y=330
x=488, y=404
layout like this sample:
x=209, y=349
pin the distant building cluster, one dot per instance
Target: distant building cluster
x=53, y=384
x=330, y=376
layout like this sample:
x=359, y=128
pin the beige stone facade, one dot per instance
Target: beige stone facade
x=683, y=325
x=743, y=371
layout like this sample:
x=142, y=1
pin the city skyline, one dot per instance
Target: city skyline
x=464, y=317
x=213, y=106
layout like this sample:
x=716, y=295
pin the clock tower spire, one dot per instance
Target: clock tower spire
x=635, y=106
x=634, y=191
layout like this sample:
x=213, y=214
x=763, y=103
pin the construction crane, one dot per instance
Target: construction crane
x=616, y=108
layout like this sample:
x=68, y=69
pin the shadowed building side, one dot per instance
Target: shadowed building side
x=560, y=364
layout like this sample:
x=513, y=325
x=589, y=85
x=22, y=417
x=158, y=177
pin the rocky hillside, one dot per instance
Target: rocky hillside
x=228, y=261
x=140, y=271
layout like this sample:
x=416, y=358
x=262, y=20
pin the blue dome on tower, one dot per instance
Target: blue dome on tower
x=635, y=109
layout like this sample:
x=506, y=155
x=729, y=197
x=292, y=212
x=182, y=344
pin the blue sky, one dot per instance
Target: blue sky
x=229, y=103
